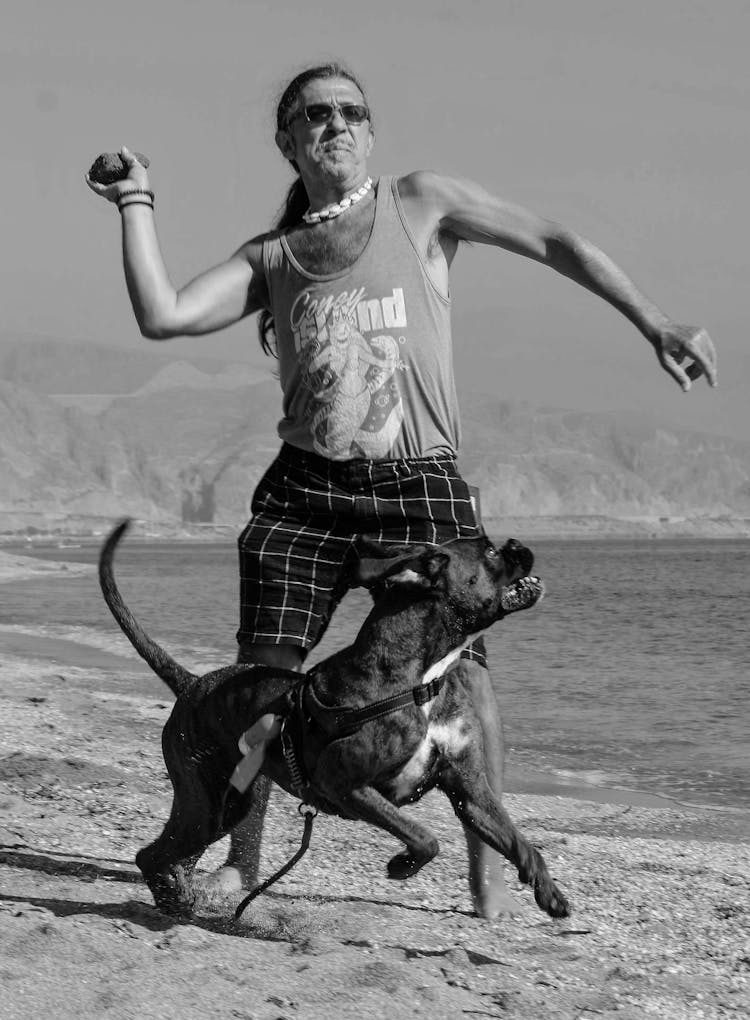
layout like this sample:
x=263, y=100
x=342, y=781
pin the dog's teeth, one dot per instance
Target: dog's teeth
x=522, y=594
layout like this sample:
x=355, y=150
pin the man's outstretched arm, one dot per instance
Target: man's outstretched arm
x=465, y=211
x=213, y=300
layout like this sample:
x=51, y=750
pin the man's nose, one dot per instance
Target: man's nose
x=337, y=122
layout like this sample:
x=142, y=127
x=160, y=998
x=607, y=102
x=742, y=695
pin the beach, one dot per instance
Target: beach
x=660, y=890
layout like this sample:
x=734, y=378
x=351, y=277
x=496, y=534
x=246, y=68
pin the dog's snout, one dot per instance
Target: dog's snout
x=516, y=554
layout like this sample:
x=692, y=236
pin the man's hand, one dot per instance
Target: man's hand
x=137, y=178
x=674, y=343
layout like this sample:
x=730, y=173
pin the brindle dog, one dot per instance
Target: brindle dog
x=429, y=602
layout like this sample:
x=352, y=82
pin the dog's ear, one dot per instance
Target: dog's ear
x=369, y=562
x=422, y=572
x=366, y=548
x=405, y=565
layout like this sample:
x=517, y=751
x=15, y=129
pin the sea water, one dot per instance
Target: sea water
x=633, y=672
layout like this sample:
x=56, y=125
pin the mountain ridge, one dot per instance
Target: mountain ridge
x=187, y=443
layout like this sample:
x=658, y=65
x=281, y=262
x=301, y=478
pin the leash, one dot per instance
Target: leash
x=310, y=813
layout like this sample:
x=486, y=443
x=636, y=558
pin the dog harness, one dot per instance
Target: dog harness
x=298, y=725
x=305, y=712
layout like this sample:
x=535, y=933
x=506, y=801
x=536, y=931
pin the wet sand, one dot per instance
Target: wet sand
x=661, y=891
x=19, y=568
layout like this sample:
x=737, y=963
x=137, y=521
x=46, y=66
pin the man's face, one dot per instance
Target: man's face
x=334, y=150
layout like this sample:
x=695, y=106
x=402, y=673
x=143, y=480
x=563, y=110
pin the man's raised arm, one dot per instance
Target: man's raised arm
x=216, y=298
x=465, y=211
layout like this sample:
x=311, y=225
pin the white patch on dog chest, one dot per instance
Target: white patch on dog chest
x=444, y=664
x=448, y=738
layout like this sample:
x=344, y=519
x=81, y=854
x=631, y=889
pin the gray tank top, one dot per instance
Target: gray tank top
x=365, y=355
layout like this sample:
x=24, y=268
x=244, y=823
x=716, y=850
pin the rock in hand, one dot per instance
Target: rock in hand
x=110, y=167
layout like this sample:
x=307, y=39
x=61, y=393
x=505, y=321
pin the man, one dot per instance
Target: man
x=353, y=294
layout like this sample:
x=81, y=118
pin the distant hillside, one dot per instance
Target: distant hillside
x=61, y=366
x=189, y=442
x=186, y=376
x=532, y=461
x=61, y=461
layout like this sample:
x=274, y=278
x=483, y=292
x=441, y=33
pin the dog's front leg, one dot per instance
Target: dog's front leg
x=480, y=810
x=370, y=806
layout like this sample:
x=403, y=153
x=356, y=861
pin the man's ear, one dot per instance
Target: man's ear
x=285, y=144
x=370, y=142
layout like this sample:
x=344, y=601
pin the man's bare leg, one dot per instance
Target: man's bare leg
x=240, y=870
x=489, y=894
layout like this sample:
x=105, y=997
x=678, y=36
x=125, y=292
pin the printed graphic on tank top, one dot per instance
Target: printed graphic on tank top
x=365, y=354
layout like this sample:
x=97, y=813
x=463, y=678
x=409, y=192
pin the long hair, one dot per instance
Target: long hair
x=296, y=202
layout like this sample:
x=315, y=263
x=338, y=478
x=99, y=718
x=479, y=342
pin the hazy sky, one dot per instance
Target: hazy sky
x=627, y=121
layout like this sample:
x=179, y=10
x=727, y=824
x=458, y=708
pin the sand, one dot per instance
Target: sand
x=661, y=922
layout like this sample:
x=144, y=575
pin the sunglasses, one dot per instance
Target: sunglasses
x=322, y=113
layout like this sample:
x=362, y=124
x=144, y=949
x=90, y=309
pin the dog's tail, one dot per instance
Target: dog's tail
x=175, y=676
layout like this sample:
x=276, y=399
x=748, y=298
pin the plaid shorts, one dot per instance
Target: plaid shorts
x=307, y=513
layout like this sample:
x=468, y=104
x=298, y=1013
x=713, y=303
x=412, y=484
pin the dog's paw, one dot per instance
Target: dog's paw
x=175, y=906
x=172, y=894
x=405, y=864
x=551, y=900
x=522, y=594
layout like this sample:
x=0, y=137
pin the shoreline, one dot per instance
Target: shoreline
x=525, y=780
x=72, y=532
x=18, y=567
x=521, y=779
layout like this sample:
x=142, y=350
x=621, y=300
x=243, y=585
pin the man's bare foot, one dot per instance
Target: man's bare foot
x=494, y=902
x=240, y=872
x=228, y=880
x=489, y=893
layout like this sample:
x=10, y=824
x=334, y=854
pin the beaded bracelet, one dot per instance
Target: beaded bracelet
x=135, y=191
x=135, y=201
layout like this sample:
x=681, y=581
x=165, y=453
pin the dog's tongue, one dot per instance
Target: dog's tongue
x=522, y=594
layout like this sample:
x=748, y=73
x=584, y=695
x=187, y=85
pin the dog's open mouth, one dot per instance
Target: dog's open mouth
x=517, y=555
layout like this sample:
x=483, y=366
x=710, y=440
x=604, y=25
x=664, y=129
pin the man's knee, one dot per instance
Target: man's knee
x=284, y=656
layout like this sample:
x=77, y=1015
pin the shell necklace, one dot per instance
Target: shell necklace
x=332, y=211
